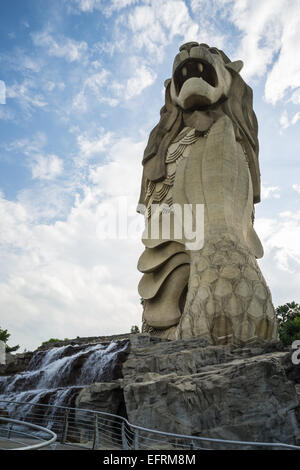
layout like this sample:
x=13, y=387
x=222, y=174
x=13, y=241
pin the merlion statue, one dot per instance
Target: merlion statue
x=203, y=154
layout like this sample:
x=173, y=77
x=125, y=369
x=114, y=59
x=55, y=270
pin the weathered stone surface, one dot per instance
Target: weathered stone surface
x=230, y=392
x=228, y=402
x=210, y=275
x=230, y=271
x=243, y=289
x=223, y=287
x=186, y=356
x=15, y=363
x=104, y=396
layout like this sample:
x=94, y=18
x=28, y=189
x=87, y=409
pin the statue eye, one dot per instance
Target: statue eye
x=213, y=50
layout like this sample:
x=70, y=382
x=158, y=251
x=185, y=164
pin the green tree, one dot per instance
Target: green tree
x=288, y=316
x=4, y=336
x=54, y=340
x=135, y=329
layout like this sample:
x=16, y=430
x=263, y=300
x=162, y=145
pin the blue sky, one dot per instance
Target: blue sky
x=84, y=86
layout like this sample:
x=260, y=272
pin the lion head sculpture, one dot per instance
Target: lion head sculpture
x=203, y=79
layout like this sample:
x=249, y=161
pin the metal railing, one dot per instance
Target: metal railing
x=12, y=430
x=90, y=429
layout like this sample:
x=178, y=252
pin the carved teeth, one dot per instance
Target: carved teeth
x=184, y=71
x=200, y=67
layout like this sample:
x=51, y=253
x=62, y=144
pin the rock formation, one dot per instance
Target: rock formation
x=185, y=386
x=224, y=391
x=200, y=182
x=192, y=387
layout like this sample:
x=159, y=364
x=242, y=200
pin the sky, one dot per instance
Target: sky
x=81, y=87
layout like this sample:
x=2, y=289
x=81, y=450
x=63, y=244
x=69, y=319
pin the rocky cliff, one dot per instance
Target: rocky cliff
x=190, y=387
x=248, y=392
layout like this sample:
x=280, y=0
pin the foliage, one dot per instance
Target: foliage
x=11, y=349
x=54, y=340
x=4, y=336
x=288, y=316
x=134, y=329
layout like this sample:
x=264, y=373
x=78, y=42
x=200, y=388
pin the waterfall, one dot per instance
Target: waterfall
x=56, y=376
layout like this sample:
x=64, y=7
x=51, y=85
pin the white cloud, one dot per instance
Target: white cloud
x=22, y=61
x=295, y=118
x=260, y=23
x=51, y=86
x=6, y=114
x=28, y=146
x=268, y=29
x=80, y=102
x=90, y=147
x=282, y=236
x=29, y=63
x=296, y=188
x=142, y=78
x=66, y=48
x=89, y=6
x=281, y=262
x=295, y=98
x=25, y=93
x=285, y=74
x=286, y=122
x=46, y=166
x=43, y=165
x=101, y=87
x=25, y=23
x=268, y=192
x=268, y=40
x=117, y=5
x=94, y=86
x=210, y=7
x=63, y=276
x=154, y=27
x=48, y=200
x=96, y=81
x=45, y=198
x=124, y=165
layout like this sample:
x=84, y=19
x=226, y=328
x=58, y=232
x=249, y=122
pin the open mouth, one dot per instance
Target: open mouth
x=194, y=68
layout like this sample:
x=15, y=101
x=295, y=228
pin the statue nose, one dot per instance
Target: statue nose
x=188, y=46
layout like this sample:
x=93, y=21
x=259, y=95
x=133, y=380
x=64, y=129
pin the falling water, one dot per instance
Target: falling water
x=57, y=375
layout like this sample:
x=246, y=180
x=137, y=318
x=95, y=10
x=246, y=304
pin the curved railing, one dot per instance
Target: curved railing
x=92, y=429
x=13, y=432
